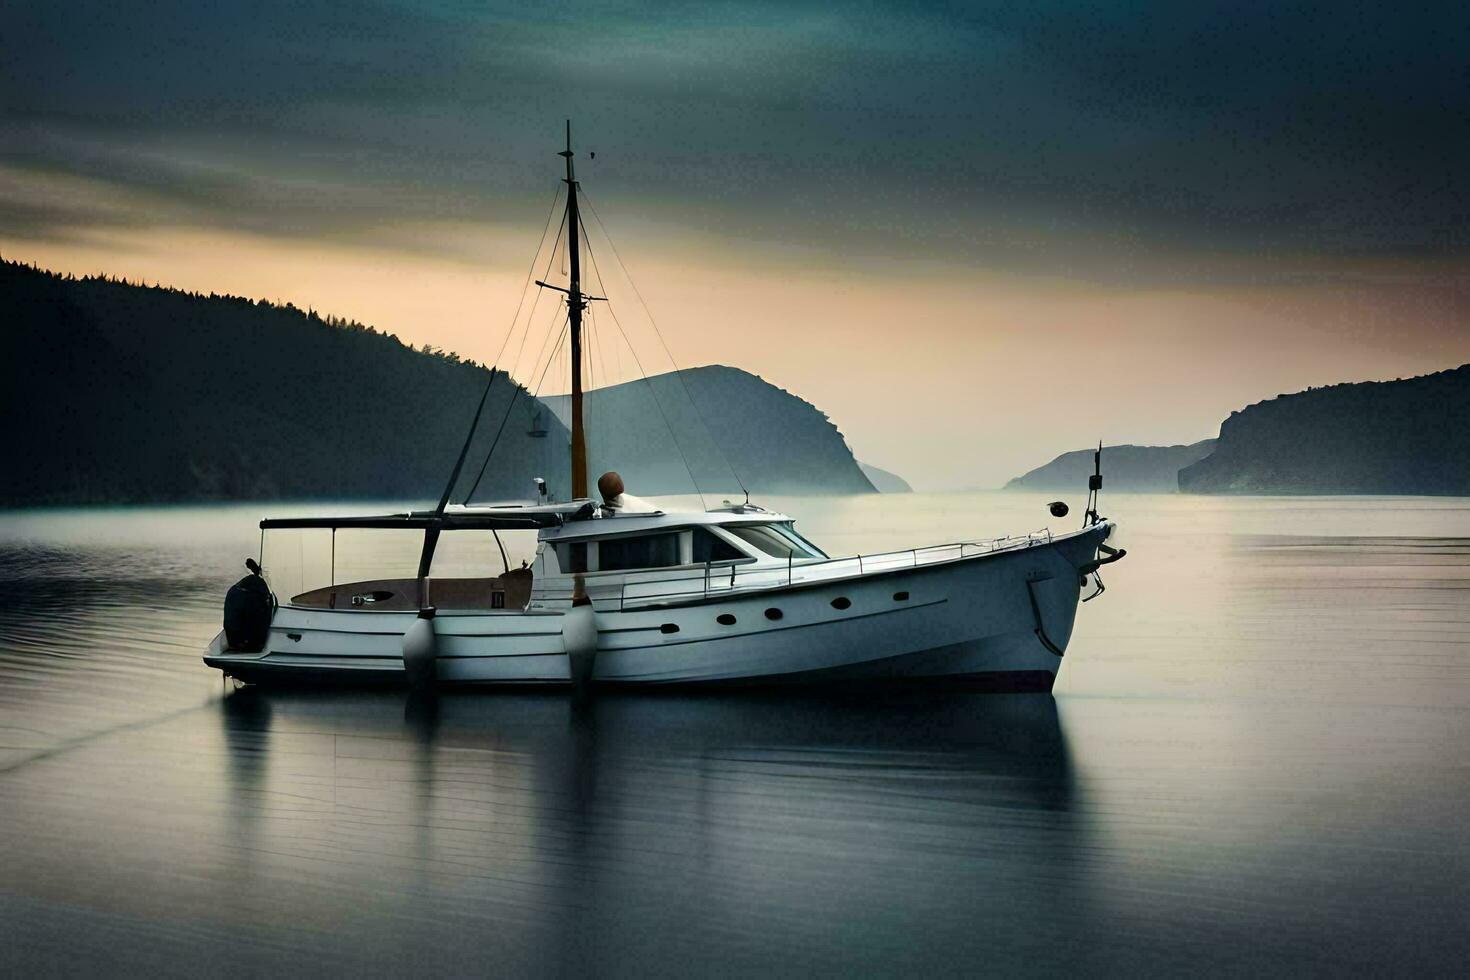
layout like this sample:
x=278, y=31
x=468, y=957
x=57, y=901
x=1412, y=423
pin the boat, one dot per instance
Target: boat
x=622, y=591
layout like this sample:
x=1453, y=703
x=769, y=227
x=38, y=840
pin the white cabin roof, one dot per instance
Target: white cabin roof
x=614, y=524
x=606, y=522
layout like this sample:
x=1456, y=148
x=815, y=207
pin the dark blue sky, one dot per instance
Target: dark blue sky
x=1100, y=138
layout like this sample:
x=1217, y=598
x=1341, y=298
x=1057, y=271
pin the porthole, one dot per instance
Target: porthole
x=841, y=602
x=900, y=597
x=773, y=614
x=669, y=628
x=725, y=619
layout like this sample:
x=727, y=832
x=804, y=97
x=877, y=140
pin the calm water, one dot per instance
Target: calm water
x=1255, y=761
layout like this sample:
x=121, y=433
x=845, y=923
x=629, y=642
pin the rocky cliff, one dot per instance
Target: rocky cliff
x=658, y=432
x=1393, y=437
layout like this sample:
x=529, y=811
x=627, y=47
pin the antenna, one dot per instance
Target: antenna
x=1094, y=484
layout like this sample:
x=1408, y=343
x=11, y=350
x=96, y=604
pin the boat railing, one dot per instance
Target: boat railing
x=654, y=587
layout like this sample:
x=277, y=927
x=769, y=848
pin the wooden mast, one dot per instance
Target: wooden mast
x=576, y=303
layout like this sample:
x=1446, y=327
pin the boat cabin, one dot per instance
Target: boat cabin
x=578, y=545
x=657, y=540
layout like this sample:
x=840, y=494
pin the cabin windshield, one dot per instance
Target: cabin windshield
x=773, y=540
x=789, y=529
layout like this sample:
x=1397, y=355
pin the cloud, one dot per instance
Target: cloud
x=1119, y=142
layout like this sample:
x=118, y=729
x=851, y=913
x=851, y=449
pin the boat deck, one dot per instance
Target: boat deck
x=509, y=591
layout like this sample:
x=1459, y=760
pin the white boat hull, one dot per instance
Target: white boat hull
x=1004, y=616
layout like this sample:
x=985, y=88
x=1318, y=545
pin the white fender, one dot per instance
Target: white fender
x=421, y=650
x=579, y=639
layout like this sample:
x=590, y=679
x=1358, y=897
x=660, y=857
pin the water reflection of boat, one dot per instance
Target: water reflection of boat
x=746, y=829
x=624, y=592
x=1012, y=744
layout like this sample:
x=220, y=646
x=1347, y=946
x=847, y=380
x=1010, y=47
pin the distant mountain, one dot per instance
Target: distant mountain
x=884, y=481
x=1394, y=437
x=121, y=393
x=1139, y=469
x=649, y=430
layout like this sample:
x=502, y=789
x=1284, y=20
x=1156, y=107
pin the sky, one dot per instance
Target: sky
x=976, y=236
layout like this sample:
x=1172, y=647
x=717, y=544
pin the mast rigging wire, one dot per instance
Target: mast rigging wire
x=678, y=372
x=591, y=333
x=480, y=408
x=530, y=317
x=506, y=417
x=529, y=273
x=653, y=393
x=527, y=282
x=553, y=359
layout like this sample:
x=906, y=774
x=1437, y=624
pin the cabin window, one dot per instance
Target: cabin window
x=841, y=602
x=497, y=600
x=773, y=614
x=575, y=555
x=709, y=548
x=770, y=541
x=725, y=619
x=638, y=551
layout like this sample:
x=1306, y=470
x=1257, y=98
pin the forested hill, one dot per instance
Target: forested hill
x=658, y=432
x=117, y=393
x=1392, y=437
x=123, y=393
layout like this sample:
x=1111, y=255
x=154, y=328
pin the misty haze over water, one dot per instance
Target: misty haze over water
x=1254, y=761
